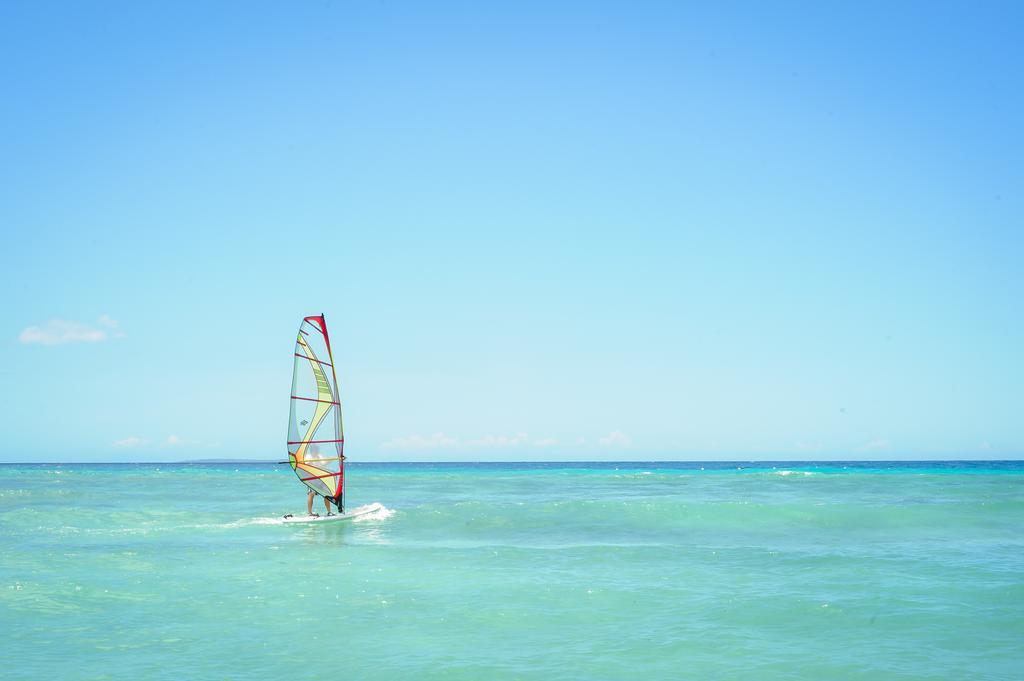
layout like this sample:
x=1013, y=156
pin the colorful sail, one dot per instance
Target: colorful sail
x=316, y=440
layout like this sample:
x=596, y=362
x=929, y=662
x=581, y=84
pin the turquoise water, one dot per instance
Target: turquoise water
x=572, y=571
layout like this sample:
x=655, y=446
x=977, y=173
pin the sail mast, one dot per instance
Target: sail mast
x=339, y=500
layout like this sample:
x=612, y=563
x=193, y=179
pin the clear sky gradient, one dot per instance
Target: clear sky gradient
x=538, y=230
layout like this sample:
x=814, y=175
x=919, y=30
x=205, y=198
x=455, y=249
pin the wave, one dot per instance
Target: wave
x=33, y=523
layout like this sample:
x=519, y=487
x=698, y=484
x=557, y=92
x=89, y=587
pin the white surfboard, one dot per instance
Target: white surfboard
x=349, y=515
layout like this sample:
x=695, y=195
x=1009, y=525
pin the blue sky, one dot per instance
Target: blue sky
x=538, y=230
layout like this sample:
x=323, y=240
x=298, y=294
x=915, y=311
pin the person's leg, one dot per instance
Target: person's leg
x=327, y=505
x=309, y=503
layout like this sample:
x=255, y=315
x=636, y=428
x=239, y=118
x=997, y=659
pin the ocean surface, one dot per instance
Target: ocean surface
x=515, y=571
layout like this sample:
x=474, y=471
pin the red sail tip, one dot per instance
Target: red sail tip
x=319, y=325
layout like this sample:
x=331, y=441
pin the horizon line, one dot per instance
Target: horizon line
x=520, y=461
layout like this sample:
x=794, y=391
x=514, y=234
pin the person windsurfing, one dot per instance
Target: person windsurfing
x=309, y=504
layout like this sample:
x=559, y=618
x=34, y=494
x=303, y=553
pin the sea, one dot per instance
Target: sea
x=738, y=570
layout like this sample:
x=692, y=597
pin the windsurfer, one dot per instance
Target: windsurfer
x=309, y=503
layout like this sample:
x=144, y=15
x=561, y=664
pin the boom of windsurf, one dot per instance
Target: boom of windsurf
x=316, y=438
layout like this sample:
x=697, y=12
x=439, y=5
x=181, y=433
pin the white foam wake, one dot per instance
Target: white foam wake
x=366, y=512
x=374, y=511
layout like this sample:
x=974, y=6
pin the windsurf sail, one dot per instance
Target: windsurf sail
x=316, y=439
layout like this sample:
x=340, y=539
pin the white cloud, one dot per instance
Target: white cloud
x=616, y=438
x=499, y=440
x=130, y=441
x=169, y=441
x=420, y=442
x=62, y=331
x=176, y=441
x=440, y=440
x=875, y=445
